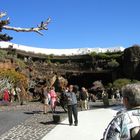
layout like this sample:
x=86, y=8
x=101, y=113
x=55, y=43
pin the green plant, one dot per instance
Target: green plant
x=14, y=77
x=93, y=53
x=3, y=54
x=20, y=63
x=106, y=55
x=135, y=81
x=113, y=64
x=119, y=83
x=51, y=55
x=109, y=85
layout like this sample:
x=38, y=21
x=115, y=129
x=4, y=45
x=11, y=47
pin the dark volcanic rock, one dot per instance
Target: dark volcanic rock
x=131, y=62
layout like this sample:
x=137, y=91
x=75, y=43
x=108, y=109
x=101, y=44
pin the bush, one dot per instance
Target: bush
x=113, y=64
x=3, y=55
x=93, y=54
x=14, y=77
x=106, y=55
x=20, y=63
x=119, y=83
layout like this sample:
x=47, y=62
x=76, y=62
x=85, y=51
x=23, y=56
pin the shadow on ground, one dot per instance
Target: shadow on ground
x=52, y=122
x=33, y=112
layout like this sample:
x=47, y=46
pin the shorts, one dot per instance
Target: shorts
x=46, y=101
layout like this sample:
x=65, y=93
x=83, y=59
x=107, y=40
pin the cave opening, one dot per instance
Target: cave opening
x=87, y=79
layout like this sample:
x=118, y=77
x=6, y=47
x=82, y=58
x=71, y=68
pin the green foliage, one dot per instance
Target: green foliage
x=48, y=61
x=135, y=81
x=20, y=63
x=5, y=83
x=113, y=64
x=106, y=55
x=109, y=85
x=103, y=56
x=3, y=54
x=93, y=54
x=13, y=77
x=48, y=58
x=119, y=83
x=51, y=55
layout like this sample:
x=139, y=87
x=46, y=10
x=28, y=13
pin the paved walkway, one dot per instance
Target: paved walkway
x=34, y=127
x=92, y=124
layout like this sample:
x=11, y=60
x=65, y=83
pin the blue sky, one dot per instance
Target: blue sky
x=76, y=23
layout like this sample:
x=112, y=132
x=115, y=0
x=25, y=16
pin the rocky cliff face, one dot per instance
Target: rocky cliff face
x=82, y=68
x=131, y=62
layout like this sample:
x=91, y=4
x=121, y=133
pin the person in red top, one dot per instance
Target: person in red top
x=6, y=96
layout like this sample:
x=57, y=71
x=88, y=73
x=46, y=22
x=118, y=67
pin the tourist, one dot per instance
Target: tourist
x=63, y=99
x=72, y=106
x=18, y=92
x=118, y=97
x=12, y=94
x=126, y=125
x=105, y=98
x=46, y=99
x=6, y=97
x=83, y=99
x=53, y=99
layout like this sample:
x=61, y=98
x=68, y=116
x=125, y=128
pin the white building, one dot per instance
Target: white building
x=76, y=51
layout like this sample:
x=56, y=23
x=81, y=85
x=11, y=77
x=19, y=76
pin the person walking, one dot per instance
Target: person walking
x=126, y=124
x=72, y=106
x=83, y=99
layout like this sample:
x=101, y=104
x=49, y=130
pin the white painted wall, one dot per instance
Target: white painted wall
x=75, y=51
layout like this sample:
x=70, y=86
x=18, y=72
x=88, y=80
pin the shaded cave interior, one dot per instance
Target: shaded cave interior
x=87, y=79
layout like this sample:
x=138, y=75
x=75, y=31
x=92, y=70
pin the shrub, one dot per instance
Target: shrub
x=93, y=53
x=113, y=64
x=14, y=77
x=106, y=55
x=20, y=63
x=109, y=85
x=119, y=83
x=3, y=55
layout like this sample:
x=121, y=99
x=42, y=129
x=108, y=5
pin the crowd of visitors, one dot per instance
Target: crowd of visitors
x=11, y=95
x=70, y=98
x=126, y=125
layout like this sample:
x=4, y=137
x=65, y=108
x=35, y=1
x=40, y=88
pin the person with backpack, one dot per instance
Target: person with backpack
x=126, y=124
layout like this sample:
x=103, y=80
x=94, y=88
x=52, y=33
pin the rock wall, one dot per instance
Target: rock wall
x=131, y=62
